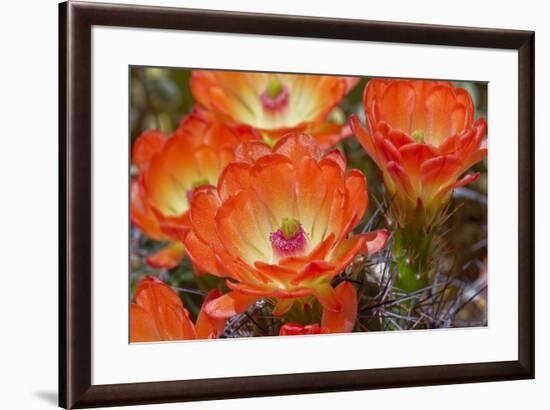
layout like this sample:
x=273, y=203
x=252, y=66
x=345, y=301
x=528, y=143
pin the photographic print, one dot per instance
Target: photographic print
x=284, y=205
x=277, y=204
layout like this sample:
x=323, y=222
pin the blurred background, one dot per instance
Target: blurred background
x=160, y=97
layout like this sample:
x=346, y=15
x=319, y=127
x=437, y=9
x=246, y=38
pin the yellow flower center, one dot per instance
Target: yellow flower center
x=289, y=228
x=418, y=135
x=274, y=88
x=199, y=182
x=268, y=140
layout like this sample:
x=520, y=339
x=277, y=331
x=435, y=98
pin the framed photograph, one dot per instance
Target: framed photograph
x=257, y=204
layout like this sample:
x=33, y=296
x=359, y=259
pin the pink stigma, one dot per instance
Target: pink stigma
x=288, y=247
x=275, y=103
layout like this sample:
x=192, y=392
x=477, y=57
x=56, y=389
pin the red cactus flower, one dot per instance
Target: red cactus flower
x=295, y=329
x=158, y=314
x=423, y=137
x=278, y=225
x=275, y=104
x=169, y=169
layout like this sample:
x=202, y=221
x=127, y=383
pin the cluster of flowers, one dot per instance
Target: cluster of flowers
x=250, y=188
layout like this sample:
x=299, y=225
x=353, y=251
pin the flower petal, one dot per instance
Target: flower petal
x=328, y=297
x=152, y=292
x=401, y=180
x=204, y=207
x=375, y=241
x=346, y=251
x=273, y=179
x=202, y=255
x=390, y=152
x=413, y=155
x=295, y=329
x=145, y=147
x=397, y=104
x=142, y=325
x=236, y=268
x=344, y=320
x=356, y=200
x=298, y=146
x=398, y=138
x=175, y=323
x=168, y=257
x=462, y=182
x=235, y=177
x=311, y=190
x=250, y=289
x=208, y=327
x=175, y=227
x=436, y=171
x=165, y=309
x=141, y=214
x=228, y=305
x=337, y=156
x=314, y=269
x=445, y=116
x=282, y=307
x=275, y=271
x=367, y=141
x=328, y=134
x=329, y=216
x=251, y=151
x=241, y=230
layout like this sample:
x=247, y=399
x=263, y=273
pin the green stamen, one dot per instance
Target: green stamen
x=289, y=228
x=274, y=88
x=268, y=140
x=418, y=135
x=199, y=182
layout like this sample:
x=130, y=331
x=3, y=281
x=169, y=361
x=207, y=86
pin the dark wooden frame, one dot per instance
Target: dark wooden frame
x=75, y=23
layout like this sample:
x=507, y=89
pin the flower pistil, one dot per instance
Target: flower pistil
x=289, y=239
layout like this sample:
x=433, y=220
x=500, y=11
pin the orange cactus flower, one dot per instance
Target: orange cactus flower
x=169, y=169
x=331, y=322
x=277, y=225
x=158, y=315
x=423, y=137
x=275, y=104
